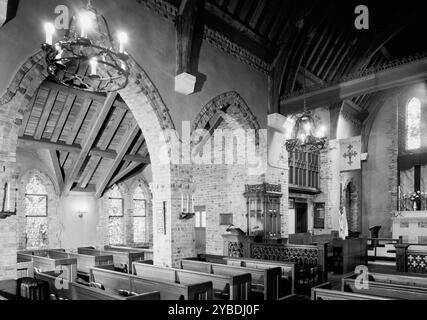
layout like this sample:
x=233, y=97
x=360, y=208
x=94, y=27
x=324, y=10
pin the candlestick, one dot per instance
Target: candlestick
x=182, y=202
x=50, y=30
x=93, y=66
x=188, y=203
x=8, y=198
x=192, y=204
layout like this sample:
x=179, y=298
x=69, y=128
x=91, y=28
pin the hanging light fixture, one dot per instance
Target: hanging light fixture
x=306, y=136
x=86, y=58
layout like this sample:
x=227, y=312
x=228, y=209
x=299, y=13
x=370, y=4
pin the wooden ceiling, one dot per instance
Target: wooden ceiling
x=318, y=36
x=93, y=139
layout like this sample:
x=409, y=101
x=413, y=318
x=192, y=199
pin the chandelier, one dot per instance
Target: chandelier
x=87, y=58
x=306, y=136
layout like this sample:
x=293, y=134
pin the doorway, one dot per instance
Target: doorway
x=301, y=225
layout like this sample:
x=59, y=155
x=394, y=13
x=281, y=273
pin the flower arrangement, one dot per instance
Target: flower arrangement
x=416, y=196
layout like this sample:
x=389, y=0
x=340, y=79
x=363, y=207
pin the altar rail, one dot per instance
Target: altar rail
x=310, y=260
x=411, y=258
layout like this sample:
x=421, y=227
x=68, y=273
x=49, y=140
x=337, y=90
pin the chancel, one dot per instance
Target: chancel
x=213, y=150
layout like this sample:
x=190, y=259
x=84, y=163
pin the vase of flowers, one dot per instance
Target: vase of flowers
x=415, y=198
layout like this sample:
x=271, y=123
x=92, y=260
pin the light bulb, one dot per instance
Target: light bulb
x=49, y=28
x=123, y=39
x=302, y=137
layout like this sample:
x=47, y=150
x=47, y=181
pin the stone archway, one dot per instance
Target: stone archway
x=220, y=185
x=171, y=241
x=351, y=203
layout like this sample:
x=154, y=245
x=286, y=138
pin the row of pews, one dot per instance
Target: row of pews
x=221, y=279
x=377, y=287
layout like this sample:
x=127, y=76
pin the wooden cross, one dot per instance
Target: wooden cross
x=350, y=154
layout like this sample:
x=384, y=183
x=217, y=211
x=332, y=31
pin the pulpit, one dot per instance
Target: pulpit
x=263, y=210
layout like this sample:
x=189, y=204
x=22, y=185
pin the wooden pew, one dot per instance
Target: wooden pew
x=265, y=281
x=85, y=262
x=76, y=291
x=122, y=259
x=148, y=253
x=43, y=262
x=169, y=290
x=390, y=286
x=288, y=268
x=25, y=270
x=324, y=292
x=228, y=287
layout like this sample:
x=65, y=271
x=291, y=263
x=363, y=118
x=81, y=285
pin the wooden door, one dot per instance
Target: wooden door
x=200, y=229
x=301, y=218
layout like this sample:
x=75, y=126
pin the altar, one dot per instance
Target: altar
x=411, y=225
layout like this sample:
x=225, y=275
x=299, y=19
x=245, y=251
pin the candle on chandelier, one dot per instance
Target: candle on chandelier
x=123, y=39
x=85, y=19
x=93, y=66
x=49, y=28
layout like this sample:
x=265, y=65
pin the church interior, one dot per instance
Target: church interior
x=213, y=150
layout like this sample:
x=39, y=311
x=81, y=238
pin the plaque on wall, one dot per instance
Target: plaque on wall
x=319, y=216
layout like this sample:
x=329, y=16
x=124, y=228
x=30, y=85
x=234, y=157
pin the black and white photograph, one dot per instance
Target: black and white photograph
x=218, y=156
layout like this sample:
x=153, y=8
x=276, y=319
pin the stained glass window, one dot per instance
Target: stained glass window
x=413, y=124
x=36, y=228
x=139, y=216
x=115, y=210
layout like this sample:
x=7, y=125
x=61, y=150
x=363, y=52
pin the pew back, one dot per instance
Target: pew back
x=44, y=263
x=75, y=291
x=122, y=259
x=383, y=289
x=265, y=280
x=231, y=287
x=168, y=290
x=324, y=292
x=85, y=262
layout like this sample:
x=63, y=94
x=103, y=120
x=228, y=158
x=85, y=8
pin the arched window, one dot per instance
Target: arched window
x=139, y=216
x=413, y=124
x=36, y=201
x=115, y=209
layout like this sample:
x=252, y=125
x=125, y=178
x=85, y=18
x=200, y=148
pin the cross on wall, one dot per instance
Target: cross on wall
x=350, y=154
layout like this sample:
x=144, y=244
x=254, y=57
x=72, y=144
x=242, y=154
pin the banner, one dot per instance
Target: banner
x=350, y=152
x=343, y=232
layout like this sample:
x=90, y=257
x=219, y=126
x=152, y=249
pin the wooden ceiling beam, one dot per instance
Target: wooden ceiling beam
x=108, y=138
x=398, y=76
x=27, y=115
x=189, y=40
x=47, y=110
x=78, y=123
x=8, y=10
x=253, y=22
x=124, y=147
x=99, y=97
x=57, y=169
x=69, y=102
x=238, y=26
x=90, y=139
x=30, y=143
x=125, y=172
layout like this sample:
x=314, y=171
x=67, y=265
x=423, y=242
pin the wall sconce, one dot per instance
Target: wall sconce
x=81, y=214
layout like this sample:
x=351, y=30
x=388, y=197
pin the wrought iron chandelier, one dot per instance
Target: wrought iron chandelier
x=306, y=136
x=87, y=58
